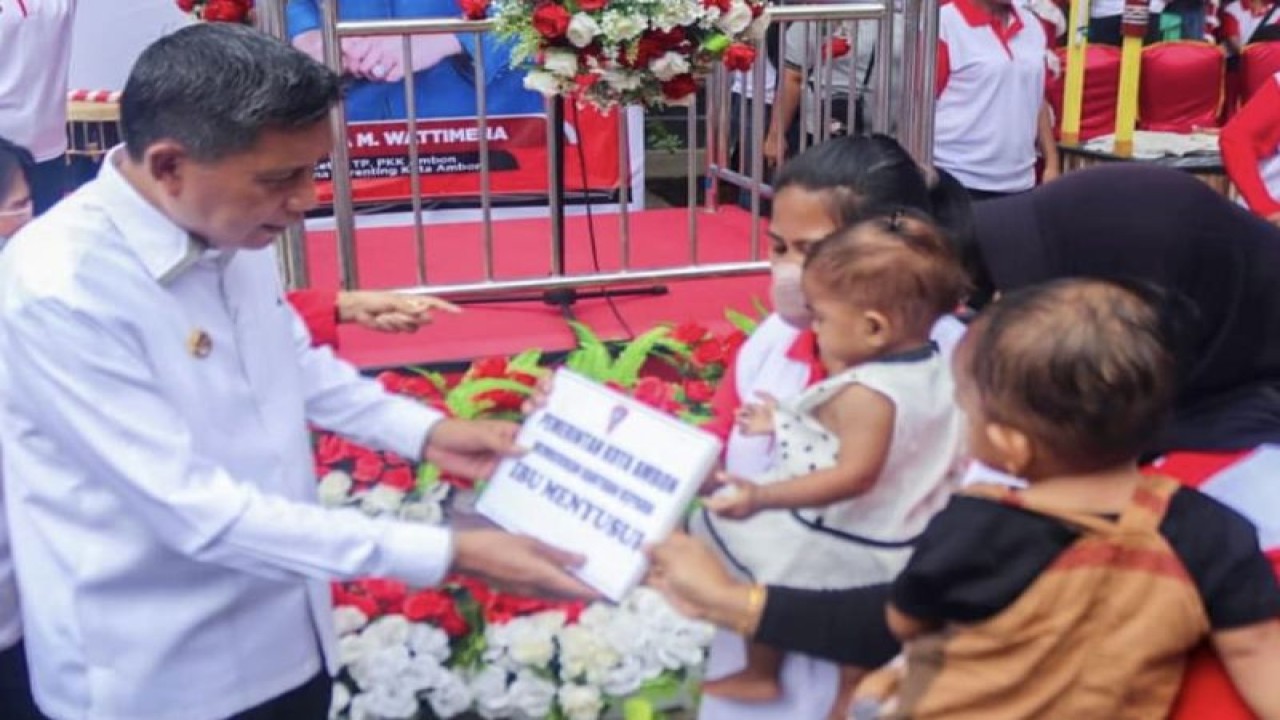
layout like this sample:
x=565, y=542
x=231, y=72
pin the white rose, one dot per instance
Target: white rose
x=380, y=668
x=542, y=82
x=335, y=489
x=351, y=648
x=584, y=654
x=622, y=80
x=757, y=29
x=382, y=499
x=597, y=615
x=390, y=702
x=491, y=693
x=625, y=678
x=582, y=30
x=347, y=619
x=428, y=641
x=621, y=26
x=450, y=697
x=668, y=65
x=426, y=513
x=532, y=695
x=737, y=19
x=581, y=702
x=531, y=644
x=562, y=63
x=339, y=700
x=423, y=673
x=388, y=631
x=679, y=651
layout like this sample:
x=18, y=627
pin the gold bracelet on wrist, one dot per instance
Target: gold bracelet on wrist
x=756, y=596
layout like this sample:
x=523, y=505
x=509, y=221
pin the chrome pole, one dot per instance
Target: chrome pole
x=340, y=161
x=415, y=169
x=482, y=123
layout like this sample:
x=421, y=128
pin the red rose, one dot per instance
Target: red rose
x=419, y=388
x=224, y=11
x=363, y=603
x=186, y=5
x=368, y=466
x=494, y=367
x=437, y=608
x=721, y=5
x=476, y=588
x=523, y=378
x=653, y=392
x=399, y=477
x=332, y=449
x=474, y=9
x=572, y=611
x=389, y=594
x=708, y=353
x=689, y=333
x=698, y=391
x=836, y=47
x=551, y=20
x=501, y=400
x=592, y=5
x=732, y=342
x=757, y=9
x=679, y=87
x=462, y=483
x=653, y=44
x=739, y=57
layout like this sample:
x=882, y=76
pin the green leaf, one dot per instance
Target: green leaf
x=585, y=336
x=526, y=361
x=638, y=708
x=463, y=400
x=593, y=362
x=740, y=321
x=428, y=476
x=626, y=369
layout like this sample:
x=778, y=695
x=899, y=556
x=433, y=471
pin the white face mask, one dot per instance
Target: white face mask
x=788, y=294
x=979, y=472
x=16, y=218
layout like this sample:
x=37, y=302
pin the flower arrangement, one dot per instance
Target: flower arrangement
x=466, y=647
x=623, y=52
x=232, y=11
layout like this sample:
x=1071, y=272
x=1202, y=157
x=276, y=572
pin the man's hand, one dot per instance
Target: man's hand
x=389, y=311
x=382, y=59
x=471, y=448
x=519, y=564
x=737, y=499
x=775, y=147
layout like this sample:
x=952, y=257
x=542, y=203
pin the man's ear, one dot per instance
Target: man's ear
x=167, y=163
x=1014, y=447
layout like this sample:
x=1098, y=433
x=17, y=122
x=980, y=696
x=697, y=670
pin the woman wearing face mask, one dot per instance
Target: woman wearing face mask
x=827, y=187
x=16, y=169
x=1140, y=223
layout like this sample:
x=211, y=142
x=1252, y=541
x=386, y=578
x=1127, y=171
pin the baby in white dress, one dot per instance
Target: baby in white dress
x=866, y=456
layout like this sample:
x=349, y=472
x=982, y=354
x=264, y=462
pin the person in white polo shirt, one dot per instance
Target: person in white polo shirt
x=160, y=490
x=990, y=112
x=35, y=55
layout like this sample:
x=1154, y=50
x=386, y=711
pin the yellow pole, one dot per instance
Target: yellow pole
x=1073, y=89
x=1134, y=26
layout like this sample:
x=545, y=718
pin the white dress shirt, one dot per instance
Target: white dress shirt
x=172, y=558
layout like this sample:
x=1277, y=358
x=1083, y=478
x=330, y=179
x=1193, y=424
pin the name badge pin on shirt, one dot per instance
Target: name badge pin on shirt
x=199, y=344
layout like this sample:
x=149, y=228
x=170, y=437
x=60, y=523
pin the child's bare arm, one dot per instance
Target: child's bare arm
x=906, y=627
x=862, y=420
x=1251, y=655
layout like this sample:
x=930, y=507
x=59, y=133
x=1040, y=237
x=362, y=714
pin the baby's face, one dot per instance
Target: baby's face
x=847, y=334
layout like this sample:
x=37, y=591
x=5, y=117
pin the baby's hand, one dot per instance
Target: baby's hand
x=737, y=498
x=757, y=418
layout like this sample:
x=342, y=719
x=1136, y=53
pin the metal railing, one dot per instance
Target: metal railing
x=818, y=21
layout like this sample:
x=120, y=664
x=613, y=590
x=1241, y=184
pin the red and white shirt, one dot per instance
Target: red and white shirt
x=1250, y=145
x=990, y=85
x=1240, y=20
x=35, y=47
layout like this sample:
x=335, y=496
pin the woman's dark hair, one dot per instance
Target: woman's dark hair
x=15, y=162
x=215, y=87
x=867, y=176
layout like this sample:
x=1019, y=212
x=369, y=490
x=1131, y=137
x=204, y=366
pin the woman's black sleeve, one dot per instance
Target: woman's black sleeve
x=846, y=626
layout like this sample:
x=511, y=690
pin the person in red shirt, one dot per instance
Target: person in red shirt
x=1250, y=145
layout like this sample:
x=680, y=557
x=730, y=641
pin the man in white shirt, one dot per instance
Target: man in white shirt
x=156, y=390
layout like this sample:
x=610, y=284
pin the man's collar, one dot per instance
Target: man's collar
x=165, y=249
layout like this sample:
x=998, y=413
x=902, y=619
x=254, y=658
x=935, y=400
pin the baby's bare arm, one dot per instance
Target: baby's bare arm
x=1251, y=655
x=862, y=420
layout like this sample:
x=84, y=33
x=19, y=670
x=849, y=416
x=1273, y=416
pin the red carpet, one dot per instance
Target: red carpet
x=454, y=253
